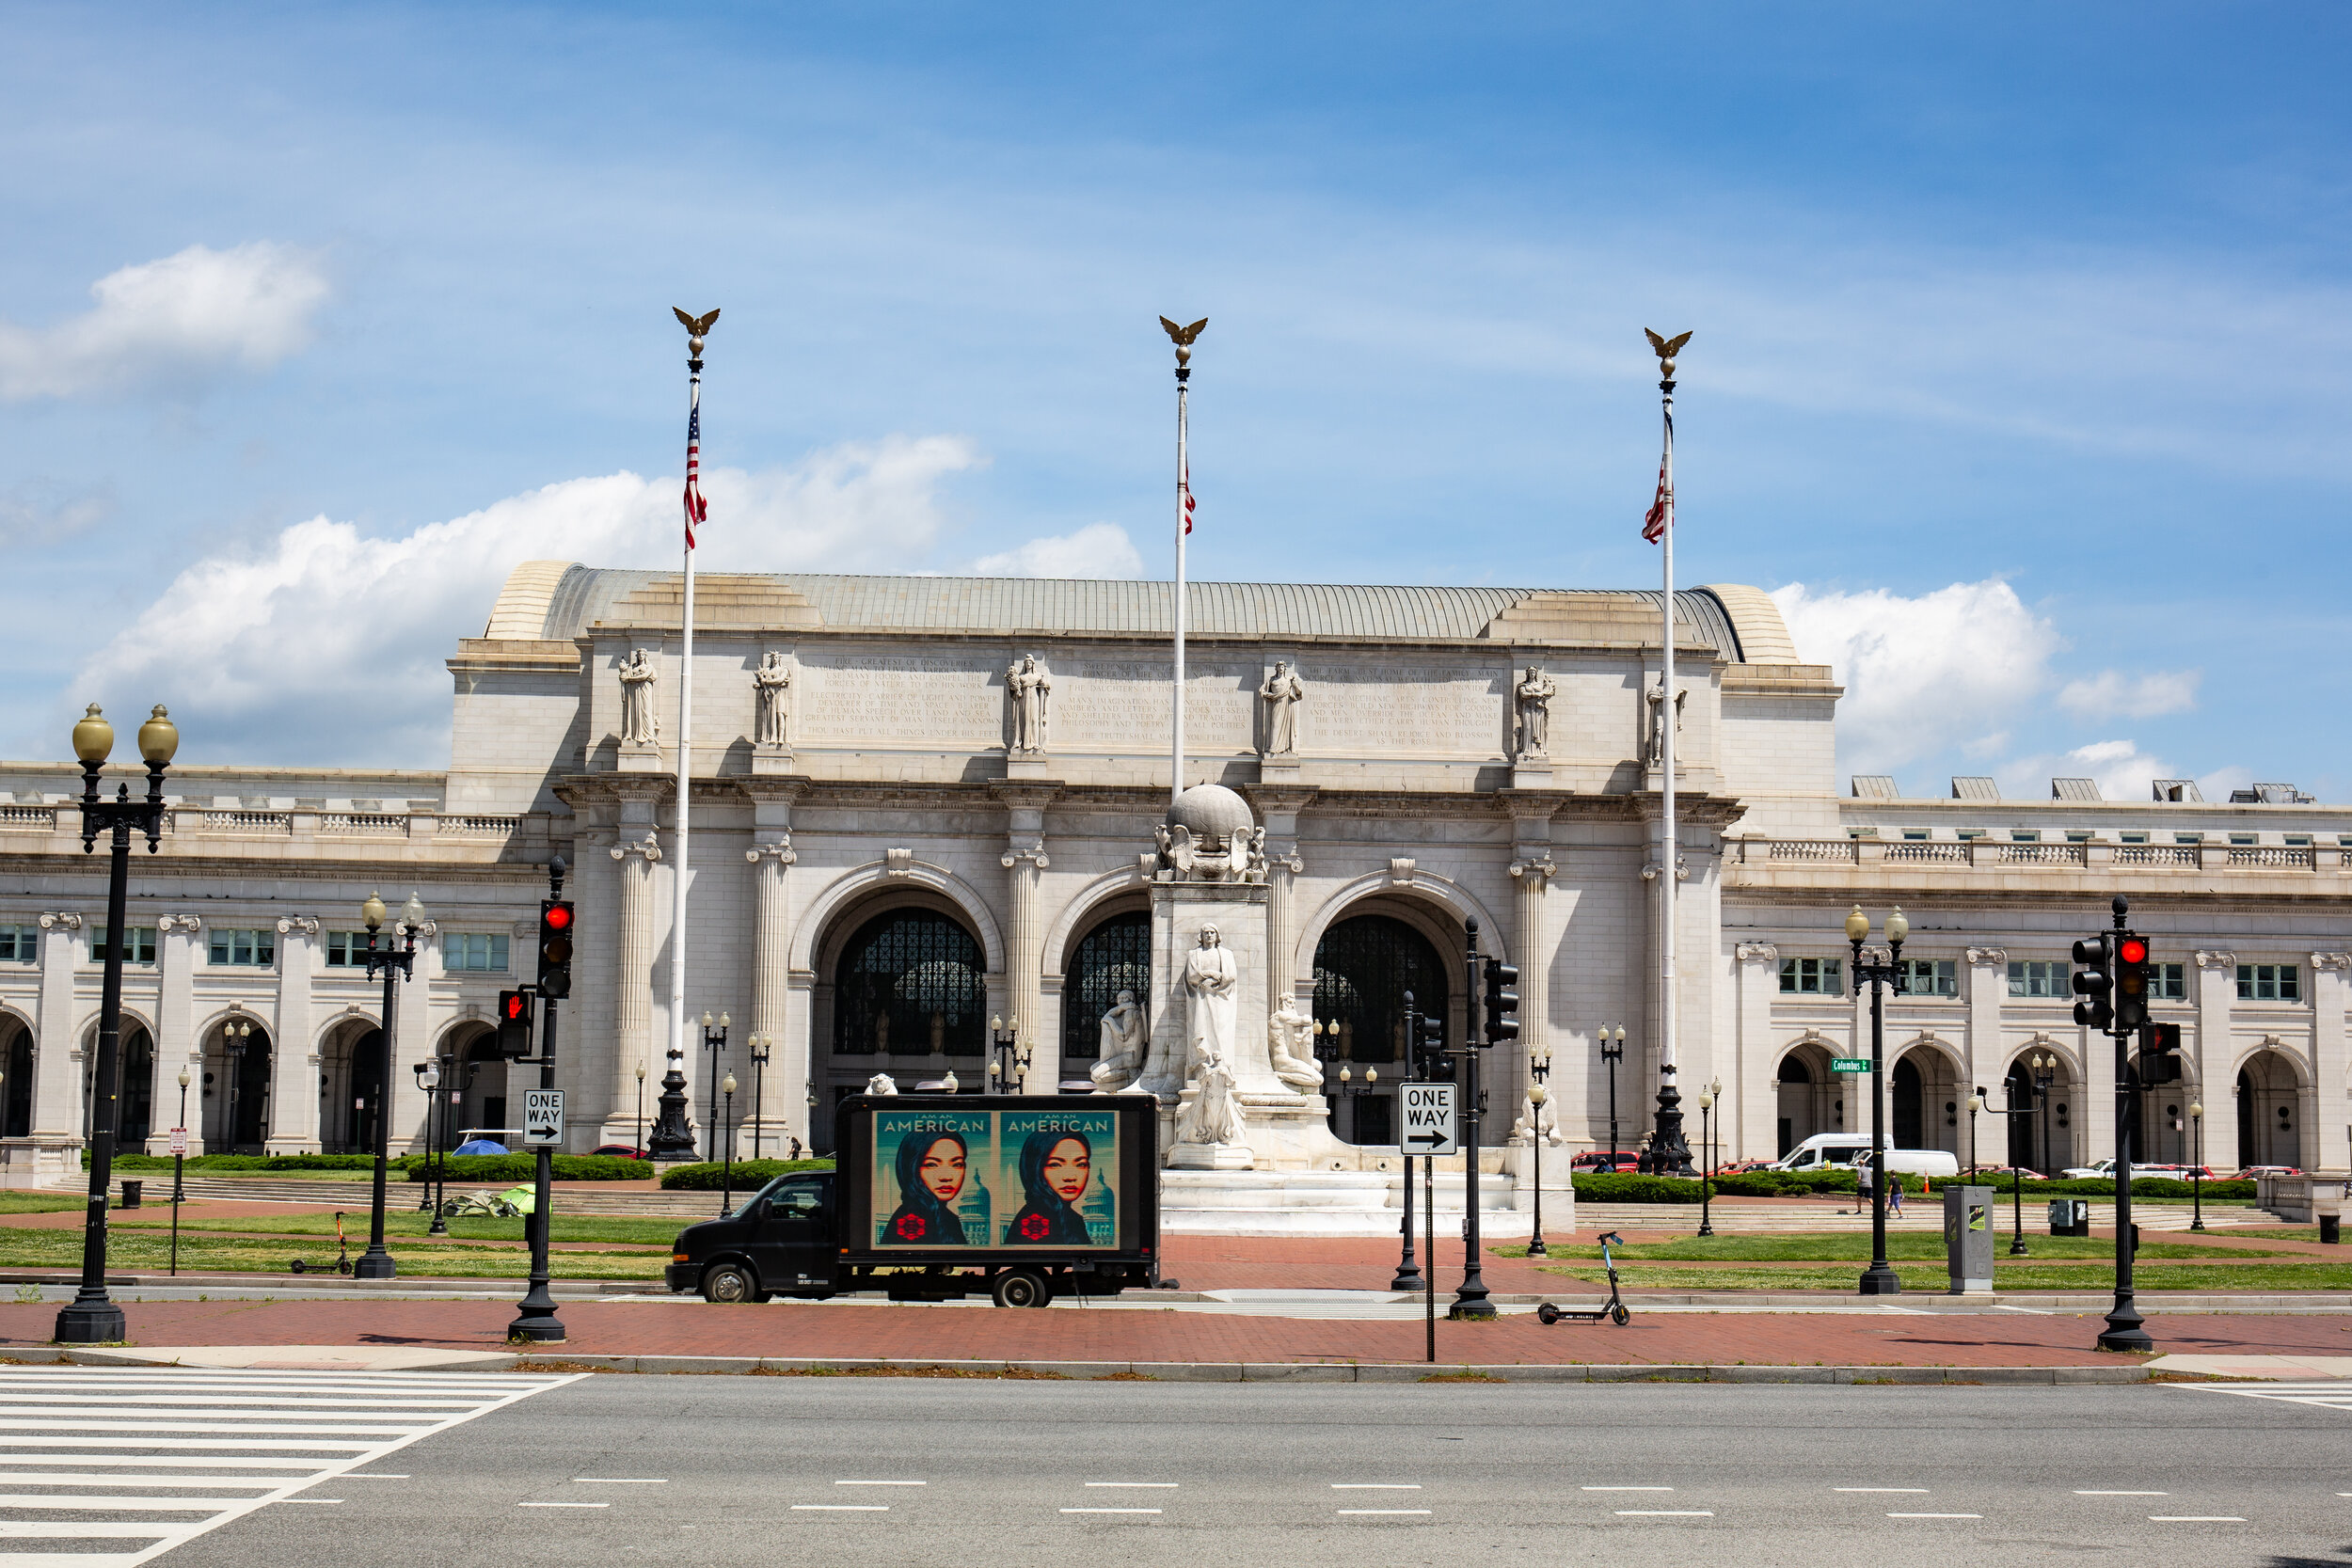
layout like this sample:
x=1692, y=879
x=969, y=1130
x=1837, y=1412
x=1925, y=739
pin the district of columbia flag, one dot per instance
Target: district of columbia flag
x=1661, y=506
x=1187, y=481
x=697, y=509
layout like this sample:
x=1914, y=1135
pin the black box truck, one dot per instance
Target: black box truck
x=1022, y=1197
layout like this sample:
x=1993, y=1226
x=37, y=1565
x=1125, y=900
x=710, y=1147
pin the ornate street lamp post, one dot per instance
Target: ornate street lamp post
x=1612, y=1052
x=726, y=1150
x=429, y=1083
x=2197, y=1165
x=640, y=1144
x=2044, y=1080
x=179, y=1160
x=90, y=1318
x=715, y=1041
x=1408, y=1275
x=1879, y=1279
x=1008, y=1058
x=376, y=1263
x=1539, y=1068
x=760, y=1044
x=673, y=1134
x=1707, y=1161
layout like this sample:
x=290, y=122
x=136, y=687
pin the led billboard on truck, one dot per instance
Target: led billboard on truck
x=992, y=1179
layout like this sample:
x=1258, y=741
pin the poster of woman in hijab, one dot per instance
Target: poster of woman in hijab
x=928, y=1170
x=1061, y=1163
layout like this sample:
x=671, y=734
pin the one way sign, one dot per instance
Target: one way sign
x=1429, y=1119
x=543, y=1118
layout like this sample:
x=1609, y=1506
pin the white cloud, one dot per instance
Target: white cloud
x=326, y=645
x=37, y=512
x=2111, y=694
x=2122, y=770
x=1096, y=551
x=1941, y=670
x=171, y=322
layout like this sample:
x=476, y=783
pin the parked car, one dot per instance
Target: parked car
x=2104, y=1170
x=620, y=1151
x=2018, y=1171
x=1825, y=1150
x=2250, y=1172
x=1740, y=1166
x=1936, y=1163
x=1603, y=1159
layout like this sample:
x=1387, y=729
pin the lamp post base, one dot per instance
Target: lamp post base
x=91, y=1323
x=535, y=1319
x=375, y=1264
x=2123, y=1330
x=1407, y=1279
x=1880, y=1280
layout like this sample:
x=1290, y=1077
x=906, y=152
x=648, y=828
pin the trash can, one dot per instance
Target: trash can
x=130, y=1193
x=2070, y=1216
x=1968, y=1239
x=2332, y=1230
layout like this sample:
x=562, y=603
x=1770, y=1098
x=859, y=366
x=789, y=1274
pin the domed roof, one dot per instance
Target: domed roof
x=1211, y=811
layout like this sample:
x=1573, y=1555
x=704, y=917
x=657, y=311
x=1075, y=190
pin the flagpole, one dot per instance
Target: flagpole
x=1183, y=337
x=695, y=512
x=1670, y=1152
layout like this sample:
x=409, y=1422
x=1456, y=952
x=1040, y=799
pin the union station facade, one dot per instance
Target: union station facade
x=924, y=803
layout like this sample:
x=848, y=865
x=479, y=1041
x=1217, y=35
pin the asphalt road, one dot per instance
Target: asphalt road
x=895, y=1472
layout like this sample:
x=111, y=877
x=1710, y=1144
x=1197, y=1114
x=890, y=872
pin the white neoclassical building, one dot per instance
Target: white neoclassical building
x=920, y=803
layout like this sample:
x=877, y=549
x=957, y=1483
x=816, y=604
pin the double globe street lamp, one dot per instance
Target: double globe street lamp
x=1879, y=1279
x=394, y=963
x=91, y=1318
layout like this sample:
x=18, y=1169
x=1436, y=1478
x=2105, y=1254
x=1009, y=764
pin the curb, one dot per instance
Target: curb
x=1407, y=1372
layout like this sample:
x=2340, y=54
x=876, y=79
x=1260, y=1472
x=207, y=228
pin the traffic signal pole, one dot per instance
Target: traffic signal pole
x=2124, y=1330
x=536, y=1320
x=1471, y=1300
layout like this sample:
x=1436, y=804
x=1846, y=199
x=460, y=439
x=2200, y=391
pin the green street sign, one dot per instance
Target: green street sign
x=1850, y=1064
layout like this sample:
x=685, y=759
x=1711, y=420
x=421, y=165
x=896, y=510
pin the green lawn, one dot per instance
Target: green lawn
x=562, y=1227
x=150, y=1252
x=1839, y=1246
x=2005, y=1276
x=41, y=1203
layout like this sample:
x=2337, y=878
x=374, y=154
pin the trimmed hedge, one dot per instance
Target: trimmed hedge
x=750, y=1175
x=243, y=1162
x=525, y=1167
x=1602, y=1187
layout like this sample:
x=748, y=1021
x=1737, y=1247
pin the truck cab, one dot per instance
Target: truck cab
x=780, y=1242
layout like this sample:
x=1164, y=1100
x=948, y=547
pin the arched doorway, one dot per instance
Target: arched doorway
x=236, y=1092
x=1924, y=1109
x=483, y=1102
x=2268, y=1118
x=1904, y=1105
x=16, y=1120
x=909, y=983
x=1364, y=965
x=1810, y=1101
x=138, y=1090
x=1115, y=956
x=351, y=1091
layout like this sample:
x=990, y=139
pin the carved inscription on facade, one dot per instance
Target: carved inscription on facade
x=1369, y=708
x=1120, y=706
x=859, y=699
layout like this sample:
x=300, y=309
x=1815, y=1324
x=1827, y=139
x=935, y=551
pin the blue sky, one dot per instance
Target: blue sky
x=2020, y=334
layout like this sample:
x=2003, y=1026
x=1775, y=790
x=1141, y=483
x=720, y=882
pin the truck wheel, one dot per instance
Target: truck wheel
x=731, y=1282
x=1021, y=1288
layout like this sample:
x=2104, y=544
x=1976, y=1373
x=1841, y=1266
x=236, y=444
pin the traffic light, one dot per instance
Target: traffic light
x=515, y=1025
x=1502, y=1002
x=1432, y=1042
x=2131, y=983
x=555, y=947
x=2093, y=984
x=2159, y=1054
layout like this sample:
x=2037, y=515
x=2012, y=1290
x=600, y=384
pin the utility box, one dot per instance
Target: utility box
x=1968, y=1239
x=2070, y=1216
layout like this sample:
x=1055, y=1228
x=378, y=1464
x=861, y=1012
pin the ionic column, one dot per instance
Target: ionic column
x=1026, y=867
x=57, y=1119
x=1755, y=1133
x=771, y=926
x=632, y=984
x=177, y=943
x=293, y=1112
x=1532, y=876
x=2330, y=1065
x=2216, y=1055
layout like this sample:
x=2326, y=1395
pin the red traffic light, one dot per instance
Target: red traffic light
x=514, y=1004
x=2133, y=951
x=557, y=917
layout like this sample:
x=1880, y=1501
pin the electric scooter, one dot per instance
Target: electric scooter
x=342, y=1253
x=1616, y=1312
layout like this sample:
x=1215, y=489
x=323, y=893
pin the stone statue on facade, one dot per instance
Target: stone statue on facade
x=1281, y=693
x=1124, y=1040
x=1654, y=752
x=638, y=727
x=1536, y=694
x=1211, y=981
x=1027, y=688
x=771, y=681
x=1211, y=1116
x=1290, y=1043
x=881, y=1083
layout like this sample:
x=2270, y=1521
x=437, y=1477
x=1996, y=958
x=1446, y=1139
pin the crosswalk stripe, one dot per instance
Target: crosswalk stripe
x=182, y=1452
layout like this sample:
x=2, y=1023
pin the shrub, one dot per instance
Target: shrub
x=750, y=1175
x=1784, y=1183
x=524, y=1167
x=1607, y=1187
x=234, y=1163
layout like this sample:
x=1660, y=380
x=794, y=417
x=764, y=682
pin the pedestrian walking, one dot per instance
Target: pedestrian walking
x=1894, y=1195
x=796, y=1148
x=1862, y=1189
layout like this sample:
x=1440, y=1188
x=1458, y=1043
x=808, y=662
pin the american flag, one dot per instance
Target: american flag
x=1661, y=508
x=1187, y=489
x=697, y=509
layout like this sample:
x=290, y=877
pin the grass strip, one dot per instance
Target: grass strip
x=147, y=1252
x=2265, y=1277
x=468, y=1228
x=1839, y=1246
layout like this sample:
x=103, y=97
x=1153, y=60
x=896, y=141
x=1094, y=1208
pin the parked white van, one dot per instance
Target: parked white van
x=1844, y=1150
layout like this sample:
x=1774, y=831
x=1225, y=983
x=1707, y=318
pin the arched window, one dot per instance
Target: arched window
x=1363, y=968
x=1116, y=956
x=20, y=1086
x=910, y=984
